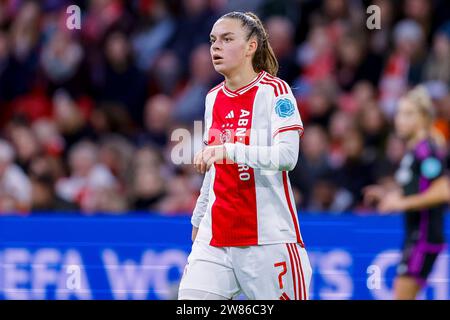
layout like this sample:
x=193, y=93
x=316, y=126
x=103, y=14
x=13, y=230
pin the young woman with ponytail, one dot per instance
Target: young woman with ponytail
x=246, y=236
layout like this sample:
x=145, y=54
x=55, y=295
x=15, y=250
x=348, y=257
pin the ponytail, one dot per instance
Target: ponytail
x=264, y=58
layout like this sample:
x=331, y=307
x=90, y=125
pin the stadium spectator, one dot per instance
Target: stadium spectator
x=156, y=31
x=148, y=187
x=15, y=187
x=136, y=71
x=437, y=66
x=189, y=105
x=89, y=180
x=356, y=171
x=122, y=82
x=157, y=121
x=281, y=35
x=403, y=65
x=313, y=163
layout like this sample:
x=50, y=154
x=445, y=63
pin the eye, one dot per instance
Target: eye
x=211, y=41
x=228, y=39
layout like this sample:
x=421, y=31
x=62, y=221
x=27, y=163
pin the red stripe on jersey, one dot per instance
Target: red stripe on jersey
x=228, y=92
x=291, y=210
x=240, y=90
x=234, y=211
x=274, y=86
x=279, y=86
x=216, y=87
x=293, y=270
x=280, y=82
x=301, y=271
x=260, y=75
x=287, y=128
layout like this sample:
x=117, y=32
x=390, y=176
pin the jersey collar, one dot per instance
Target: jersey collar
x=244, y=89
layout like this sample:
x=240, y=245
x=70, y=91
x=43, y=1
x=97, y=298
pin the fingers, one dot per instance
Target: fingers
x=203, y=166
x=368, y=196
x=384, y=207
x=372, y=194
x=381, y=207
x=207, y=157
x=389, y=204
x=198, y=160
x=201, y=159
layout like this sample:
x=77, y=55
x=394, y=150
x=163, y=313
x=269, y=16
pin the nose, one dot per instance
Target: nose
x=215, y=46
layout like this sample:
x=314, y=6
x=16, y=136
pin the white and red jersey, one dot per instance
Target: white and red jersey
x=239, y=204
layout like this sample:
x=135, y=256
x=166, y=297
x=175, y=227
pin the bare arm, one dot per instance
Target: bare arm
x=438, y=193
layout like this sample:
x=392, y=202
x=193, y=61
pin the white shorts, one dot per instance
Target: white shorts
x=274, y=271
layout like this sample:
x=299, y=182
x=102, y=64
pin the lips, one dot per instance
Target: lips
x=217, y=58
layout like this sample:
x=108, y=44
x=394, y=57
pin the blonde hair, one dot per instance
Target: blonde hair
x=420, y=98
x=264, y=58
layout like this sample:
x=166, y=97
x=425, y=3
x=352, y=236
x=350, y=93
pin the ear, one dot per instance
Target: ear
x=252, y=46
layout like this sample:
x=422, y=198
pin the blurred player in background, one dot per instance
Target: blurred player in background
x=248, y=237
x=423, y=193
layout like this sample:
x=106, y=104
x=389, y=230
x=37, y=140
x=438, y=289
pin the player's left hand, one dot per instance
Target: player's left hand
x=204, y=159
x=391, y=202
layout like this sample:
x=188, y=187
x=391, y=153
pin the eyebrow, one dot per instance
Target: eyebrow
x=222, y=35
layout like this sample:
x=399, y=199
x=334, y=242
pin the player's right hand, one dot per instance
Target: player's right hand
x=373, y=194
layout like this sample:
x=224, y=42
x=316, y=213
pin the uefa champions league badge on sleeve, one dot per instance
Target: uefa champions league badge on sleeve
x=284, y=108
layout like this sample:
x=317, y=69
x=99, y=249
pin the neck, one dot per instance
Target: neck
x=419, y=136
x=240, y=79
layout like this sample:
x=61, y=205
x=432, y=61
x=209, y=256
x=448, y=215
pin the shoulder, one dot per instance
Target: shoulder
x=430, y=159
x=215, y=89
x=212, y=94
x=428, y=148
x=276, y=85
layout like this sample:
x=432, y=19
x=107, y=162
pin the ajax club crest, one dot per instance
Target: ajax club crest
x=225, y=136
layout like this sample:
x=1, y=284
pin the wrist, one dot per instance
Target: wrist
x=403, y=204
x=230, y=151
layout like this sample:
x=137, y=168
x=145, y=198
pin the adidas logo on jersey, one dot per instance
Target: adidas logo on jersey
x=230, y=115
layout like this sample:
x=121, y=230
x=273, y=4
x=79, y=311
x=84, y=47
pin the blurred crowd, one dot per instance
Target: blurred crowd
x=86, y=116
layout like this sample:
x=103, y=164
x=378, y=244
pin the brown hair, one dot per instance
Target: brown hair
x=264, y=58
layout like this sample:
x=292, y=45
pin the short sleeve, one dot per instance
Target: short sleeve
x=432, y=167
x=431, y=160
x=285, y=115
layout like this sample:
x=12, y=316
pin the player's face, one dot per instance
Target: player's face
x=229, y=46
x=408, y=119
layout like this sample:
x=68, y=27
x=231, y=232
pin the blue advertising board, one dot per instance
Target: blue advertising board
x=142, y=256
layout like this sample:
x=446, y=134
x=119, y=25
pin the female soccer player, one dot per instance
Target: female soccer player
x=248, y=237
x=423, y=194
